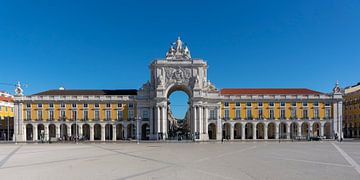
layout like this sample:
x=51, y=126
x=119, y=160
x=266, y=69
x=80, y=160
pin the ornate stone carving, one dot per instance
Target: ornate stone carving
x=180, y=52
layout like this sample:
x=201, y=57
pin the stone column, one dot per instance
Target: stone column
x=287, y=131
x=195, y=120
x=69, y=130
x=231, y=131
x=311, y=130
x=46, y=132
x=243, y=126
x=266, y=131
x=218, y=125
x=125, y=132
x=35, y=132
x=322, y=130
x=206, y=121
x=80, y=130
x=164, y=129
x=254, y=131
x=158, y=119
x=114, y=132
x=201, y=120
x=91, y=132
x=57, y=131
x=299, y=130
x=102, y=132
x=276, y=131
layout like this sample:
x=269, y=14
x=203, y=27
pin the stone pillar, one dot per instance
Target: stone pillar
x=231, y=131
x=254, y=131
x=80, y=130
x=158, y=119
x=57, y=130
x=114, y=132
x=68, y=130
x=218, y=125
x=46, y=132
x=164, y=127
x=287, y=131
x=206, y=120
x=201, y=120
x=91, y=132
x=322, y=130
x=243, y=126
x=299, y=130
x=266, y=131
x=35, y=132
x=277, y=131
x=125, y=133
x=195, y=120
x=311, y=130
x=102, y=132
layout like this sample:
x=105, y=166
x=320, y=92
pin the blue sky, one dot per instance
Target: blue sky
x=109, y=44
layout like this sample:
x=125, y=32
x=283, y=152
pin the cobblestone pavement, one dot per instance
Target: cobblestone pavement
x=237, y=160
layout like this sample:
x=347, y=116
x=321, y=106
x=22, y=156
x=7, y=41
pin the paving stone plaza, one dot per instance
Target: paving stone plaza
x=212, y=160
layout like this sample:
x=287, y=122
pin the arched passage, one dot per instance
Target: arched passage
x=226, y=130
x=63, y=130
x=212, y=131
x=260, y=128
x=316, y=129
x=282, y=130
x=86, y=131
x=293, y=130
x=108, y=131
x=75, y=130
x=29, y=132
x=97, y=132
x=271, y=131
x=249, y=131
x=305, y=129
x=52, y=131
x=131, y=131
x=178, y=113
x=145, y=131
x=119, y=132
x=41, y=132
x=238, y=131
x=327, y=130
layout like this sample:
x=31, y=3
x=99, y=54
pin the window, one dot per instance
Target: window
x=305, y=104
x=96, y=105
x=28, y=105
x=237, y=104
x=97, y=115
x=282, y=114
x=39, y=115
x=327, y=113
x=74, y=115
x=305, y=114
x=248, y=104
x=86, y=115
x=248, y=114
x=108, y=105
x=282, y=104
x=145, y=114
x=108, y=114
x=316, y=103
x=271, y=114
x=293, y=104
x=226, y=114
x=212, y=114
x=260, y=104
x=51, y=105
x=316, y=113
x=39, y=105
x=119, y=105
x=51, y=115
x=237, y=114
x=86, y=105
x=131, y=114
x=260, y=114
x=119, y=115
x=73, y=105
x=226, y=104
x=62, y=115
x=271, y=104
x=327, y=104
x=62, y=105
x=131, y=105
x=28, y=114
x=293, y=113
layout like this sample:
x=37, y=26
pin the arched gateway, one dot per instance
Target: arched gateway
x=178, y=72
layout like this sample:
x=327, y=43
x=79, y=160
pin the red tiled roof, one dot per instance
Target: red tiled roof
x=8, y=99
x=271, y=91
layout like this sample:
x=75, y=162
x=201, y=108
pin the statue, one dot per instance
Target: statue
x=160, y=80
x=18, y=89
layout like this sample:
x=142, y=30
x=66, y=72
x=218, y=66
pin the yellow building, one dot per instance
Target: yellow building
x=352, y=111
x=6, y=116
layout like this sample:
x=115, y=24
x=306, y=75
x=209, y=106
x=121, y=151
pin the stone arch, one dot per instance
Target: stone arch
x=29, y=132
x=316, y=129
x=293, y=130
x=327, y=130
x=108, y=131
x=74, y=130
x=249, y=130
x=86, y=131
x=145, y=131
x=119, y=132
x=41, y=131
x=271, y=130
x=226, y=130
x=97, y=132
x=260, y=131
x=305, y=129
x=283, y=130
x=63, y=130
x=238, y=131
x=131, y=131
x=212, y=131
x=52, y=131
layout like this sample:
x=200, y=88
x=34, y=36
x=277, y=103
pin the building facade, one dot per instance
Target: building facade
x=352, y=111
x=146, y=114
x=6, y=116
